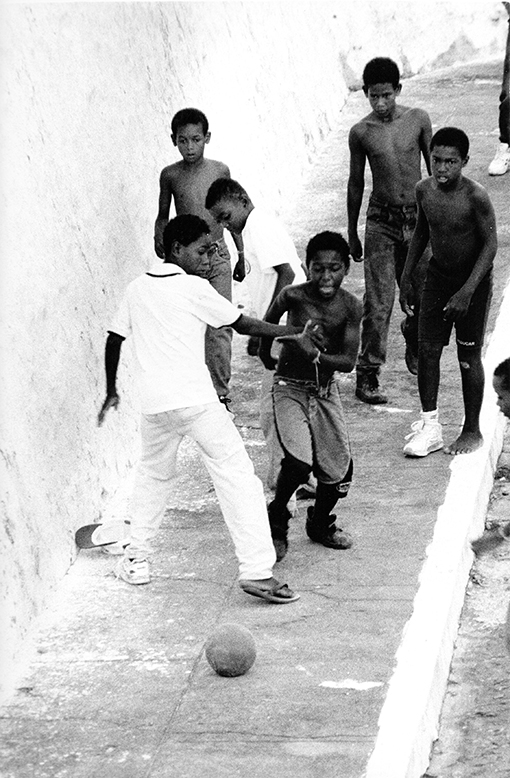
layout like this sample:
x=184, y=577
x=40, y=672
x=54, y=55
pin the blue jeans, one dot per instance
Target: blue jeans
x=388, y=233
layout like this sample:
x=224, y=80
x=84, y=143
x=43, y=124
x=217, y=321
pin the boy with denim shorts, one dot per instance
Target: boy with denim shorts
x=307, y=406
x=166, y=312
x=456, y=213
x=187, y=182
x=393, y=139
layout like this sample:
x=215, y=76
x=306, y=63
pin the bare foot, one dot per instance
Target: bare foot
x=465, y=443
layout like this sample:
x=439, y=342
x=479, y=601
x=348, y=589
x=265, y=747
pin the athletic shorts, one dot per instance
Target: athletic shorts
x=311, y=426
x=469, y=329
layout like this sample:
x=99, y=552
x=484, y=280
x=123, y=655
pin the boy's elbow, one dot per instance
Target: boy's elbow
x=242, y=325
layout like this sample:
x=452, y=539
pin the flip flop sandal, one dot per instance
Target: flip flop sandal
x=275, y=594
x=96, y=536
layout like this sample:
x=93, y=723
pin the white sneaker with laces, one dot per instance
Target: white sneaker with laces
x=426, y=437
x=133, y=571
x=501, y=162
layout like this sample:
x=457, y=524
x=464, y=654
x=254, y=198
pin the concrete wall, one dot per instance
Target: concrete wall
x=87, y=96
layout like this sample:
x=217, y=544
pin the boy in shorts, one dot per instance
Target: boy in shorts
x=187, y=182
x=456, y=213
x=393, y=138
x=307, y=407
x=166, y=312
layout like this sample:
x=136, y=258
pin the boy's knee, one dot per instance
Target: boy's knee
x=295, y=468
x=468, y=355
x=430, y=350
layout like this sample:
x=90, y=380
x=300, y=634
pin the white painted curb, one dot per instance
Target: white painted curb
x=409, y=718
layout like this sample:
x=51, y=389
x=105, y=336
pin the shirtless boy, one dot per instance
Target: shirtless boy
x=393, y=138
x=456, y=214
x=187, y=181
x=306, y=398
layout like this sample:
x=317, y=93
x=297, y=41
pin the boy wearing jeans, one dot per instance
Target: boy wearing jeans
x=307, y=405
x=166, y=311
x=393, y=138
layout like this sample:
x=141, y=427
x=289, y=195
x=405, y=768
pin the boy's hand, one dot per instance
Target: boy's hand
x=457, y=306
x=158, y=247
x=406, y=299
x=356, y=249
x=112, y=401
x=239, y=270
x=306, y=341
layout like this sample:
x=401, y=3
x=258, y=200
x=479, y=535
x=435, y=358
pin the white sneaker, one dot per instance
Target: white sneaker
x=501, y=162
x=133, y=571
x=426, y=437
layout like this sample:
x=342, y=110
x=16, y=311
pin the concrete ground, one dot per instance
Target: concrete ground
x=119, y=686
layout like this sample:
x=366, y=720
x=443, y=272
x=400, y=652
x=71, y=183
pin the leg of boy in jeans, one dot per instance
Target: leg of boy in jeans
x=218, y=341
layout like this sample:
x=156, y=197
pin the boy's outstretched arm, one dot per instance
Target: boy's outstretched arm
x=111, y=363
x=355, y=187
x=273, y=316
x=247, y=325
x=416, y=248
x=165, y=200
x=457, y=306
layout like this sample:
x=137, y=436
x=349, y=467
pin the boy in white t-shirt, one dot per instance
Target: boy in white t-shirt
x=166, y=311
x=272, y=263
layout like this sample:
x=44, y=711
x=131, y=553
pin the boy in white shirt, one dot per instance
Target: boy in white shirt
x=272, y=263
x=166, y=311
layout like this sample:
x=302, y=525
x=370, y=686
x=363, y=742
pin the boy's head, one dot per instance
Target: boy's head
x=381, y=84
x=190, y=133
x=501, y=384
x=187, y=243
x=449, y=149
x=327, y=262
x=228, y=204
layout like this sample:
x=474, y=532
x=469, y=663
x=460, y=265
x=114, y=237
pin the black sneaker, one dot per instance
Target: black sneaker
x=279, y=525
x=331, y=536
x=367, y=389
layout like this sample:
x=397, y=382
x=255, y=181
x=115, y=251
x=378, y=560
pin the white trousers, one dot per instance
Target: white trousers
x=239, y=491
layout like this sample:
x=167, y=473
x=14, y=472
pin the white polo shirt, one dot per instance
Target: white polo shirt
x=267, y=244
x=167, y=312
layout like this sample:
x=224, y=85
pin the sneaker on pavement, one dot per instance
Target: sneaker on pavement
x=501, y=162
x=133, y=571
x=368, y=391
x=426, y=437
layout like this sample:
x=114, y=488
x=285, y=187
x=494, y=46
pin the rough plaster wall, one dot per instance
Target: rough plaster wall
x=87, y=96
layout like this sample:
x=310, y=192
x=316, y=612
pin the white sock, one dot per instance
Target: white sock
x=428, y=416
